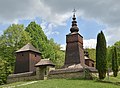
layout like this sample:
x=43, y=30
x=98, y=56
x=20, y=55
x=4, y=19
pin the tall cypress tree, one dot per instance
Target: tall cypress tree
x=114, y=61
x=117, y=45
x=101, y=52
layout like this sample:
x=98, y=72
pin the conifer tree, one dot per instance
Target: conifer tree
x=114, y=61
x=117, y=45
x=101, y=50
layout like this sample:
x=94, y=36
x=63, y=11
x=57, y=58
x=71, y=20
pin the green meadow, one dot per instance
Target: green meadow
x=113, y=82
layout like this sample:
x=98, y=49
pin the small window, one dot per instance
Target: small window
x=35, y=55
x=22, y=54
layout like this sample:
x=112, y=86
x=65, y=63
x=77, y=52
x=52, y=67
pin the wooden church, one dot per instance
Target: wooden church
x=26, y=58
x=29, y=65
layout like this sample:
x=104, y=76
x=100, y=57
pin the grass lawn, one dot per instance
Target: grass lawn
x=69, y=83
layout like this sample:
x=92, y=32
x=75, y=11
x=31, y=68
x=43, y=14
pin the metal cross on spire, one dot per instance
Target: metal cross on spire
x=74, y=27
x=74, y=11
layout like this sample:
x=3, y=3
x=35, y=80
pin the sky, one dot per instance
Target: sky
x=55, y=16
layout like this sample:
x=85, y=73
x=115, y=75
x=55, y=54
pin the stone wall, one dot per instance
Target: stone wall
x=66, y=75
x=17, y=79
x=72, y=73
x=28, y=76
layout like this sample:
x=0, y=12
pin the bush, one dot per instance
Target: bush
x=4, y=71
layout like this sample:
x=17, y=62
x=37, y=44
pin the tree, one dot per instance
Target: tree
x=5, y=70
x=13, y=38
x=117, y=45
x=39, y=39
x=48, y=48
x=109, y=60
x=59, y=55
x=114, y=61
x=92, y=53
x=2, y=72
x=101, y=52
x=109, y=56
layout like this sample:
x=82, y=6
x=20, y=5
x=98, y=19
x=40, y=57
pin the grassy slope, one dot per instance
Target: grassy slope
x=62, y=83
x=72, y=83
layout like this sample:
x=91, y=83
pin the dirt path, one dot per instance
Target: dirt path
x=27, y=83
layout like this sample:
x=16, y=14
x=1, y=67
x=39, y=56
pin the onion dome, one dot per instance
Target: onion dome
x=74, y=27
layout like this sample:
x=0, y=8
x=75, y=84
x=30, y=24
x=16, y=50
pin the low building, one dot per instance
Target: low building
x=89, y=62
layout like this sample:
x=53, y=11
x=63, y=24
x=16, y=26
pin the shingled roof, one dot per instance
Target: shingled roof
x=44, y=62
x=28, y=47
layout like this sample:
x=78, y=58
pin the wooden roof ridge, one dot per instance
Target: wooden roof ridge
x=28, y=47
x=44, y=62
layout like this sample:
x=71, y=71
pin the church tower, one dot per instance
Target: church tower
x=26, y=58
x=74, y=46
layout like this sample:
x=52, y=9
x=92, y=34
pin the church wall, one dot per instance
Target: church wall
x=74, y=49
x=81, y=53
x=22, y=62
x=34, y=59
x=72, y=54
x=89, y=63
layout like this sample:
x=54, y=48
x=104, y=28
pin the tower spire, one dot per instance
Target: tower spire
x=74, y=27
x=74, y=11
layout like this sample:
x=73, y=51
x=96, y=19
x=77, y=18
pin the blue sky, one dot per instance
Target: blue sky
x=55, y=18
x=87, y=28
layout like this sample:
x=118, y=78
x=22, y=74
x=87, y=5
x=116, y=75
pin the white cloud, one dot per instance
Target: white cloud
x=63, y=47
x=29, y=9
x=15, y=21
x=112, y=35
x=48, y=28
x=106, y=11
x=43, y=25
x=56, y=12
x=1, y=32
x=91, y=43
